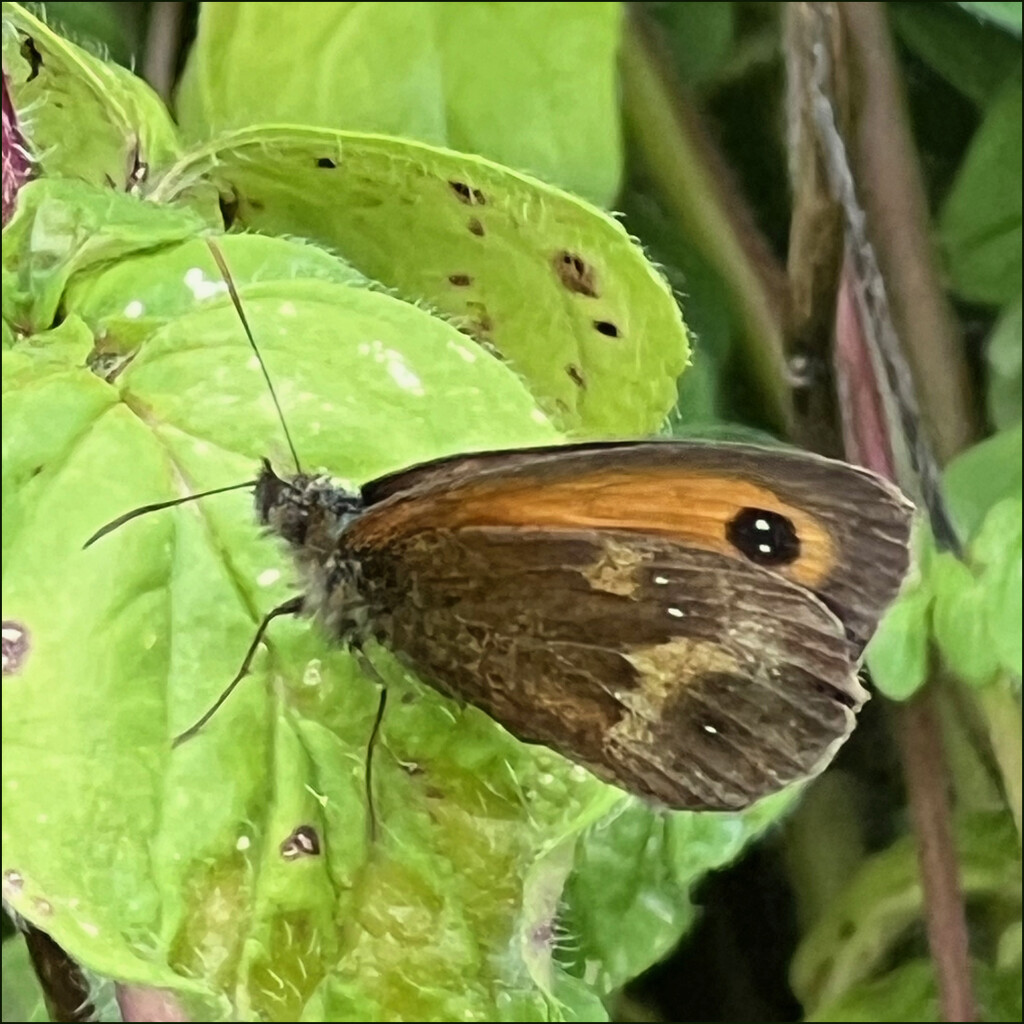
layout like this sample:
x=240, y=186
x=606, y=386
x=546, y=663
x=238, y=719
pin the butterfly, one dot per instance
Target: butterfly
x=686, y=619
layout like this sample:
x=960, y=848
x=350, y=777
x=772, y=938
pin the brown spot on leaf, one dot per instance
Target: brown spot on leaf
x=576, y=376
x=460, y=280
x=326, y=163
x=475, y=227
x=467, y=194
x=16, y=643
x=607, y=328
x=303, y=842
x=575, y=273
x=31, y=54
x=481, y=324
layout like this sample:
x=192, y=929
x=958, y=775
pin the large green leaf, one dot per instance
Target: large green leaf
x=532, y=86
x=552, y=283
x=862, y=930
x=980, y=223
x=165, y=868
x=83, y=117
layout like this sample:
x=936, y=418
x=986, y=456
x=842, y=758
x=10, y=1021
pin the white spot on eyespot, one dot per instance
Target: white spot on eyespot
x=134, y=309
x=201, y=288
x=268, y=577
x=711, y=729
x=765, y=549
x=676, y=613
x=661, y=579
x=243, y=844
x=11, y=635
x=761, y=524
x=312, y=676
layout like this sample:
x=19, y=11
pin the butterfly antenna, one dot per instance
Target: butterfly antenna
x=157, y=506
x=222, y=266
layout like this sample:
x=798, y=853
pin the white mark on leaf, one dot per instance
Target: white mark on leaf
x=201, y=288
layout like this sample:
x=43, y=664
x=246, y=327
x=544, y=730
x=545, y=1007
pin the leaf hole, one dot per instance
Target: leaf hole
x=30, y=52
x=575, y=273
x=467, y=194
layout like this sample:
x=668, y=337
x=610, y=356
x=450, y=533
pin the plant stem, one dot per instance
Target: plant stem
x=695, y=186
x=925, y=771
x=163, y=38
x=891, y=190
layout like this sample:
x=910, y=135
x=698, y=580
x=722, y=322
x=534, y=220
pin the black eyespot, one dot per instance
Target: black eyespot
x=766, y=538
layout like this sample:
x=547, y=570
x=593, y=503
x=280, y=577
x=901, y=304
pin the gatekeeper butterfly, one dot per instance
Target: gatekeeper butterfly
x=684, y=618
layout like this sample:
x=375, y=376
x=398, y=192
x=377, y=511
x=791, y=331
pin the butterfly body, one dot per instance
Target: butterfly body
x=685, y=619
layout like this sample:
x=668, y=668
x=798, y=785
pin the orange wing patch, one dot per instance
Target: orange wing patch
x=693, y=508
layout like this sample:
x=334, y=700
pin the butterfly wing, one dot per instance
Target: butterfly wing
x=677, y=673
x=852, y=528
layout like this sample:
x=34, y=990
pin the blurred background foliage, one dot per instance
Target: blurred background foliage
x=675, y=116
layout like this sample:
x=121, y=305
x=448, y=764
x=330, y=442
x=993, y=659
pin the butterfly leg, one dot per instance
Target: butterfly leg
x=291, y=607
x=370, y=669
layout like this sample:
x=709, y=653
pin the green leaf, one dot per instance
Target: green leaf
x=555, y=285
x=1001, y=12
x=173, y=283
x=84, y=117
x=962, y=629
x=163, y=867
x=861, y=931
x=64, y=227
x=628, y=902
x=107, y=24
x=1003, y=355
x=975, y=56
x=982, y=476
x=980, y=223
x=22, y=994
x=532, y=86
x=701, y=37
x=997, y=550
x=910, y=993
x=898, y=653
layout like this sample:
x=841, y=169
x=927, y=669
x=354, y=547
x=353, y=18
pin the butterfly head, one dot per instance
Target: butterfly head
x=303, y=509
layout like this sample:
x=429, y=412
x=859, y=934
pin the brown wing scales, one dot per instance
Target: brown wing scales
x=679, y=674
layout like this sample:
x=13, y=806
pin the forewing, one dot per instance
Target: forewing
x=853, y=527
x=678, y=674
